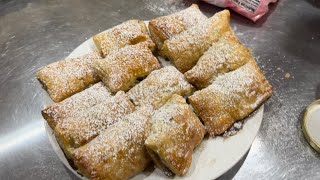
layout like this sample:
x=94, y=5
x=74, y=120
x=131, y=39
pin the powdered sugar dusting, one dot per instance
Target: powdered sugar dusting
x=192, y=17
x=230, y=85
x=175, y=131
x=125, y=132
x=76, y=103
x=67, y=77
x=121, y=146
x=128, y=33
x=185, y=49
x=159, y=86
x=163, y=28
x=88, y=124
x=226, y=55
x=232, y=96
x=121, y=69
x=163, y=121
x=166, y=118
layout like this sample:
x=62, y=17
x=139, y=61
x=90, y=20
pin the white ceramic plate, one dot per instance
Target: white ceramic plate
x=211, y=159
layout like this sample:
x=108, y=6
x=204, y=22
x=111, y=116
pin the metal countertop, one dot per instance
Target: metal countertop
x=34, y=33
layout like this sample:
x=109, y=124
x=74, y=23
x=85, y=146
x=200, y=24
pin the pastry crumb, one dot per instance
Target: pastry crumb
x=287, y=75
x=237, y=126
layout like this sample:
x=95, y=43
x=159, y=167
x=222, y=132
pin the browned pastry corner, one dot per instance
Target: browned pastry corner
x=128, y=33
x=185, y=49
x=231, y=97
x=65, y=78
x=117, y=153
x=175, y=132
x=165, y=27
x=74, y=132
x=73, y=105
x=121, y=69
x=223, y=56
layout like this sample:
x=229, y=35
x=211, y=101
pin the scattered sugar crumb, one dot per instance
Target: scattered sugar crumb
x=287, y=75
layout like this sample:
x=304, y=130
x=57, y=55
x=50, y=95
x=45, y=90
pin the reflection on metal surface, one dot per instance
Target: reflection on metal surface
x=20, y=136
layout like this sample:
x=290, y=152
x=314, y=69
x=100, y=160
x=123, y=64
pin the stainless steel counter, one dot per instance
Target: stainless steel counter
x=34, y=33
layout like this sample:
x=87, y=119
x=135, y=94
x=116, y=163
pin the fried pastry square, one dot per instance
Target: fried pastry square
x=223, y=56
x=65, y=78
x=76, y=131
x=163, y=28
x=159, y=86
x=231, y=97
x=119, y=151
x=71, y=106
x=175, y=132
x=186, y=48
x=121, y=69
x=128, y=33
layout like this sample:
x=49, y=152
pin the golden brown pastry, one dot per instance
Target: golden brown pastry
x=223, y=56
x=231, y=97
x=163, y=28
x=121, y=69
x=74, y=132
x=117, y=153
x=64, y=78
x=159, y=86
x=128, y=33
x=73, y=105
x=185, y=49
x=175, y=132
